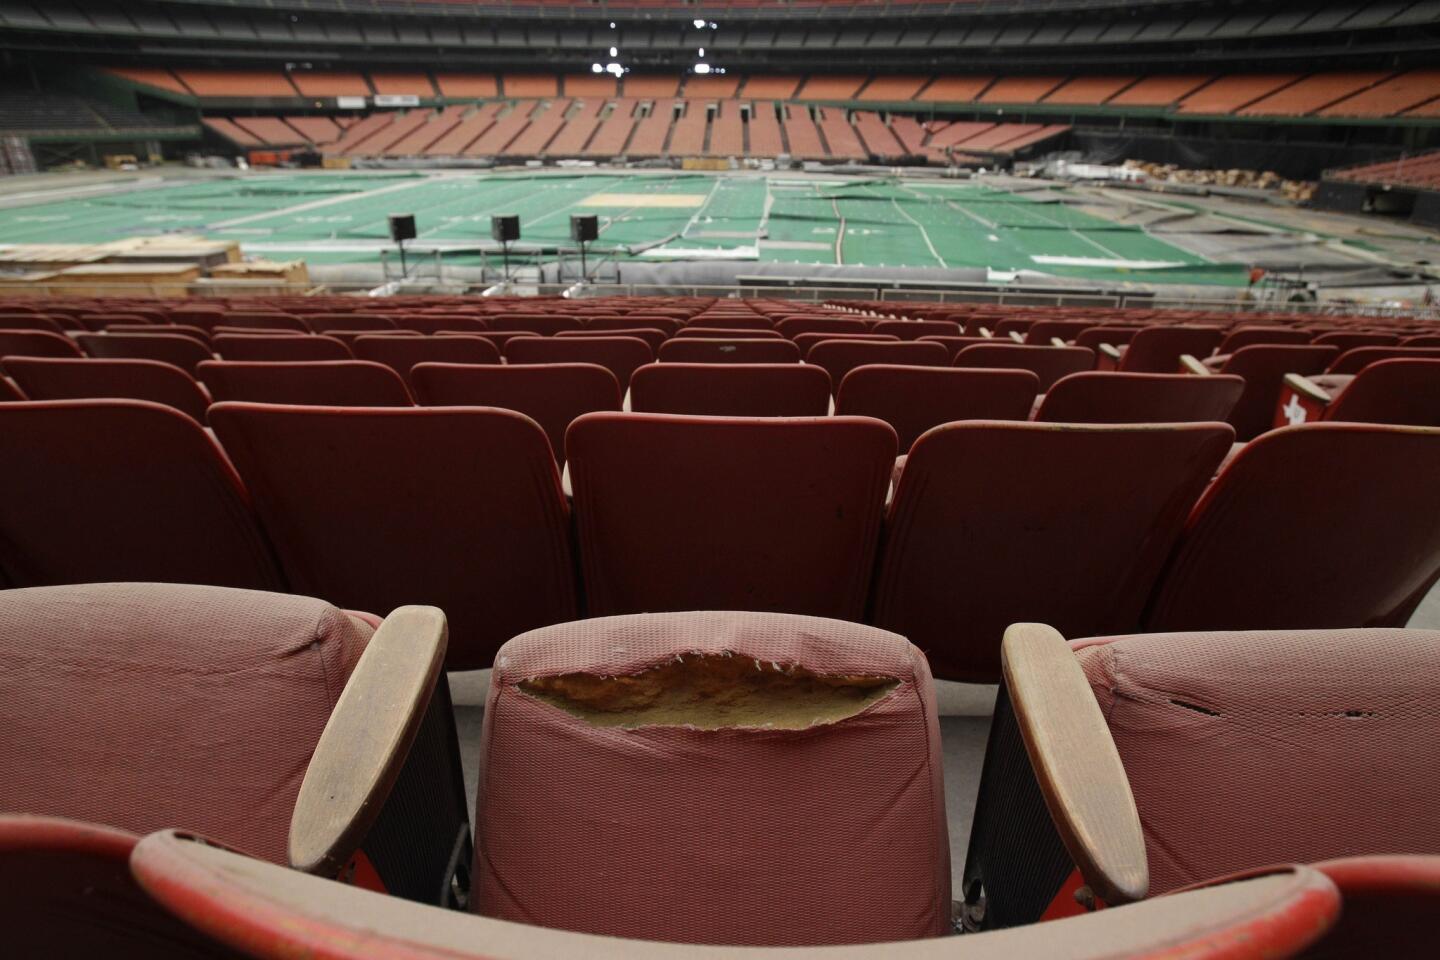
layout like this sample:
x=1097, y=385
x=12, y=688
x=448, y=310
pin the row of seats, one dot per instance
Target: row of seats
x=1123, y=769
x=1420, y=170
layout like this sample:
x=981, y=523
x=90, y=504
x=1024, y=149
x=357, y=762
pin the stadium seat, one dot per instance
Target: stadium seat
x=373, y=508
x=650, y=335
x=498, y=337
x=9, y=391
x=791, y=327
x=1043, y=333
x=551, y=394
x=839, y=357
x=1256, y=553
x=728, y=333
x=182, y=329
x=1346, y=340
x=954, y=345
x=731, y=322
x=71, y=378
x=1159, y=349
x=1254, y=335
x=1358, y=358
x=731, y=390
x=402, y=354
x=685, y=513
x=337, y=383
x=278, y=914
x=915, y=329
x=282, y=349
x=259, y=320
x=179, y=351
x=259, y=332
x=1096, y=337
x=915, y=399
x=115, y=490
x=545, y=326
x=994, y=522
x=1263, y=367
x=1389, y=391
x=324, y=323
x=432, y=324
x=36, y=343
x=1095, y=397
x=678, y=350
x=1047, y=363
x=1185, y=736
x=30, y=321
x=227, y=713
x=622, y=356
x=665, y=325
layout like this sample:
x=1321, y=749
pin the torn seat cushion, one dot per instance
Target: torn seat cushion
x=142, y=706
x=729, y=778
x=1251, y=748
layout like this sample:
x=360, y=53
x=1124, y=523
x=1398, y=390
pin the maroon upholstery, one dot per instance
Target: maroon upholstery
x=55, y=378
x=1092, y=397
x=650, y=335
x=728, y=333
x=9, y=392
x=376, y=508
x=1047, y=363
x=36, y=343
x=995, y=523
x=112, y=490
x=1358, y=358
x=280, y=349
x=665, y=325
x=1249, y=336
x=1159, y=349
x=915, y=399
x=30, y=321
x=687, y=513
x=258, y=320
x=1389, y=906
x=1115, y=335
x=733, y=833
x=955, y=344
x=323, y=323
x=402, y=354
x=731, y=390
x=1256, y=747
x=806, y=341
x=791, y=327
x=1043, y=331
x=433, y=324
x=261, y=332
x=732, y=322
x=180, y=351
x=1346, y=340
x=546, y=326
x=141, y=705
x=622, y=356
x=1264, y=367
x=699, y=350
x=839, y=357
x=1321, y=525
x=498, y=337
x=349, y=337
x=551, y=394
x=915, y=329
x=1391, y=391
x=339, y=383
x=181, y=329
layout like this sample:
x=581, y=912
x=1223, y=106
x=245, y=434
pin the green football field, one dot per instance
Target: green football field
x=335, y=217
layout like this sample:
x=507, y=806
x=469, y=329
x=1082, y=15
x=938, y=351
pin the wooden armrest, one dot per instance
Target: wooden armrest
x=1110, y=350
x=1075, y=762
x=985, y=332
x=1057, y=342
x=1306, y=388
x=367, y=739
x=1188, y=364
x=1016, y=336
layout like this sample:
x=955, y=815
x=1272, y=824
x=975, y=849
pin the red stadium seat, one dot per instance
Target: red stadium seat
x=402, y=354
x=351, y=499
x=915, y=399
x=30, y=321
x=551, y=394
x=805, y=341
x=996, y=522
x=681, y=513
x=731, y=390
x=1047, y=363
x=622, y=356
x=839, y=357
x=185, y=330
x=1264, y=367
x=1114, y=335
x=1347, y=340
x=791, y=327
x=650, y=335
x=728, y=333
x=546, y=326
x=433, y=324
x=282, y=349
x=665, y=325
x=324, y=323
x=9, y=392
x=1249, y=336
x=915, y=329
x=1389, y=391
x=115, y=490
x=1094, y=397
x=1358, y=358
x=180, y=351
x=258, y=320
x=339, y=383
x=757, y=350
x=731, y=322
x=1159, y=349
x=1253, y=555
x=36, y=343
x=955, y=344
x=68, y=378
x=1043, y=332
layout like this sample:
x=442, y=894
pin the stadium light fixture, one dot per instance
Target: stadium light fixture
x=596, y=68
x=702, y=68
x=702, y=51
x=699, y=24
x=614, y=53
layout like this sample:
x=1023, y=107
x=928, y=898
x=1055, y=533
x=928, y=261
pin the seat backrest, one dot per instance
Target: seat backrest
x=1332, y=733
x=622, y=356
x=323, y=323
x=430, y=324
x=1043, y=331
x=116, y=490
x=728, y=333
x=665, y=325
x=1159, y=349
x=915, y=329
x=915, y=399
x=546, y=326
x=710, y=513
x=650, y=335
x=551, y=394
x=1250, y=336
x=180, y=351
x=30, y=321
x=1315, y=526
x=996, y=523
x=732, y=322
x=839, y=357
x=1115, y=335
x=1391, y=391
x=9, y=390
x=805, y=341
x=1264, y=367
x=731, y=390
x=280, y=349
x=791, y=327
x=1047, y=363
x=145, y=705
x=1347, y=340
x=953, y=345
x=1358, y=358
x=702, y=350
x=74, y=378
x=1093, y=397
x=865, y=864
x=36, y=343
x=259, y=320
x=337, y=383
x=402, y=354
x=377, y=508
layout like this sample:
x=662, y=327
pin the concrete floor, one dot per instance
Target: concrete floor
x=964, y=709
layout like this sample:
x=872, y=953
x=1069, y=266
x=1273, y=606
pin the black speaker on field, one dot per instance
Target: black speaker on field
x=505, y=229
x=402, y=226
x=583, y=229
